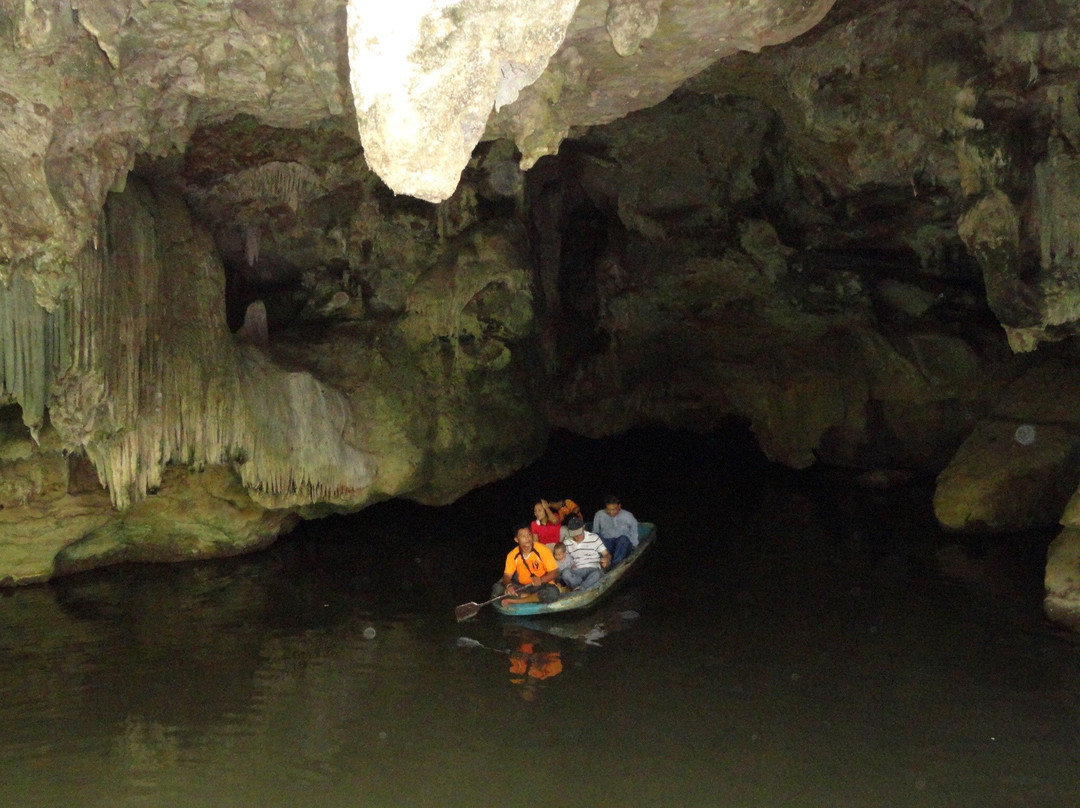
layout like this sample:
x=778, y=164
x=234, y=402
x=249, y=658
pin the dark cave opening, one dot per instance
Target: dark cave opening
x=584, y=239
x=277, y=285
x=701, y=488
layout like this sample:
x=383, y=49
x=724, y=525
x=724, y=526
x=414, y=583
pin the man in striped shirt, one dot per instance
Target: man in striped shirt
x=590, y=557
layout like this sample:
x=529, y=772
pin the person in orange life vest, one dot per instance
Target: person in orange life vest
x=564, y=507
x=530, y=564
x=545, y=527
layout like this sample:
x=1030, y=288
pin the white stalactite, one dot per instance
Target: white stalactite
x=426, y=74
x=137, y=366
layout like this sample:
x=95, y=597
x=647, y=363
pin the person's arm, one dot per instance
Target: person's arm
x=605, y=560
x=633, y=533
x=598, y=522
x=511, y=589
x=552, y=516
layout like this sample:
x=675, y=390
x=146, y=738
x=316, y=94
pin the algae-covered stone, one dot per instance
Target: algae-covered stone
x=1062, y=578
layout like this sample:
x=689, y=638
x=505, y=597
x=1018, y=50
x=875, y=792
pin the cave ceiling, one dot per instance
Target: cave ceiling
x=298, y=257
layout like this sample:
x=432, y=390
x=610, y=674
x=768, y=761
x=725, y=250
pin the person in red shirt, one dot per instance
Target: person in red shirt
x=545, y=525
x=530, y=564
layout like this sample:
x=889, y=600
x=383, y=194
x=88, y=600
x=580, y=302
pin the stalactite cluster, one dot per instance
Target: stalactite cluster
x=288, y=183
x=32, y=349
x=291, y=430
x=137, y=368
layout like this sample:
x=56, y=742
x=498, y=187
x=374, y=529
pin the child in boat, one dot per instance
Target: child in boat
x=561, y=558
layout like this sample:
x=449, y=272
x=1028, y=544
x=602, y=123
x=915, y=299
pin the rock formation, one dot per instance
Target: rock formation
x=266, y=261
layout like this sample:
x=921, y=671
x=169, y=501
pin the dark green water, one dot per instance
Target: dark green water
x=786, y=644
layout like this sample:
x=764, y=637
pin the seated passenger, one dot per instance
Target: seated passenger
x=558, y=550
x=564, y=508
x=588, y=556
x=529, y=566
x=545, y=525
x=617, y=528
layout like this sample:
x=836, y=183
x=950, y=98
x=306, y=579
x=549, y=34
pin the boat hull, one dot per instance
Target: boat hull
x=571, y=600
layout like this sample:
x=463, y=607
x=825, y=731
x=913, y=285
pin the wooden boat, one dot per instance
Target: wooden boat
x=574, y=600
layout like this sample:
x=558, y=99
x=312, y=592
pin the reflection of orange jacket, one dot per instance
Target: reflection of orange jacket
x=539, y=562
x=537, y=665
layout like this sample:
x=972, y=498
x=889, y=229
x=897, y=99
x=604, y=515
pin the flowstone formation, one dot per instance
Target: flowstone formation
x=142, y=378
x=266, y=261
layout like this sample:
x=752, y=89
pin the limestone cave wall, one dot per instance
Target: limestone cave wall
x=258, y=266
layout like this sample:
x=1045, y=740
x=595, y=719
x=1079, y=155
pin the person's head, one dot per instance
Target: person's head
x=559, y=551
x=612, y=505
x=575, y=528
x=539, y=512
x=524, y=538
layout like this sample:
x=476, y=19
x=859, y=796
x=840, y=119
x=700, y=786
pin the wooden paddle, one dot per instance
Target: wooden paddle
x=467, y=610
x=469, y=642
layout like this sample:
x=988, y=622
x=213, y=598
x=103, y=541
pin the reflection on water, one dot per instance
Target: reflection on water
x=529, y=665
x=789, y=642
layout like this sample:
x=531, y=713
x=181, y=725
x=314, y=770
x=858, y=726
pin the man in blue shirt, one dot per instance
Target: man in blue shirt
x=617, y=528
